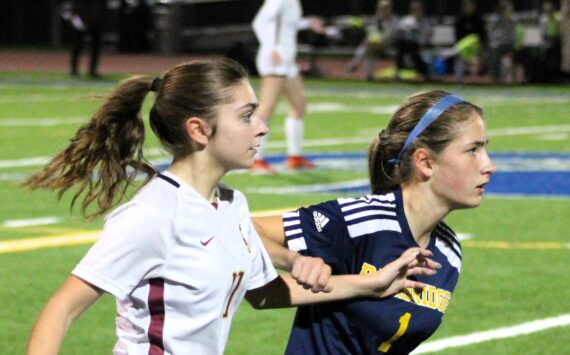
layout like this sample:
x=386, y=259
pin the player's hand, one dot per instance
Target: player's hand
x=311, y=272
x=275, y=58
x=393, y=277
x=317, y=24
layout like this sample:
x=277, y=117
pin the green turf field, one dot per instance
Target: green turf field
x=514, y=267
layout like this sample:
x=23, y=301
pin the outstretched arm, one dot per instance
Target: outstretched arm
x=284, y=291
x=68, y=303
x=312, y=273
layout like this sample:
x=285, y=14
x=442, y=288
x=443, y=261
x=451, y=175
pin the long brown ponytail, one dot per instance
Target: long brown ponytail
x=106, y=153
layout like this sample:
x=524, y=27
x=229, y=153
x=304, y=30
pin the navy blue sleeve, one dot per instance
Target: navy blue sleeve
x=319, y=231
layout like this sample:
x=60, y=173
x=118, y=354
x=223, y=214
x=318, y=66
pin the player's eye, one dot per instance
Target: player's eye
x=247, y=116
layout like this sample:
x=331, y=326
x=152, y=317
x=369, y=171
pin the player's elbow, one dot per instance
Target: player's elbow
x=275, y=294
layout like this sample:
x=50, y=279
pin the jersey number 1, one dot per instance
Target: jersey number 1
x=404, y=322
x=236, y=282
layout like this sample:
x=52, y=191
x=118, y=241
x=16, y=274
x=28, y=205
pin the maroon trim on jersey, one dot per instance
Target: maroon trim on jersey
x=156, y=310
x=215, y=204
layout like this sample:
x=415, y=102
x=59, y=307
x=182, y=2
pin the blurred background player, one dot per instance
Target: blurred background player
x=275, y=26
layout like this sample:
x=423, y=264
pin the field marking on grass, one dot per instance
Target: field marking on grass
x=19, y=163
x=480, y=244
x=318, y=143
x=78, y=238
x=398, y=93
x=13, y=99
x=31, y=222
x=554, y=137
x=342, y=108
x=46, y=122
x=309, y=188
x=514, y=131
x=86, y=237
x=494, y=334
x=14, y=246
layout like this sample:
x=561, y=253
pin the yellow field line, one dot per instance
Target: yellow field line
x=86, y=237
x=14, y=246
x=77, y=238
x=513, y=245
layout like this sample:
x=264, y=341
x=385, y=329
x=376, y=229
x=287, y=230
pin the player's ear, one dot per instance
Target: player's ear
x=423, y=161
x=198, y=130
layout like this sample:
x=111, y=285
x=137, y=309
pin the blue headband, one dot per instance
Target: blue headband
x=431, y=115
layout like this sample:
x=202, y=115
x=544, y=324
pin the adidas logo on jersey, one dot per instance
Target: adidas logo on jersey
x=320, y=220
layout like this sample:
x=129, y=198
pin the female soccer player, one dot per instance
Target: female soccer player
x=275, y=26
x=430, y=160
x=181, y=255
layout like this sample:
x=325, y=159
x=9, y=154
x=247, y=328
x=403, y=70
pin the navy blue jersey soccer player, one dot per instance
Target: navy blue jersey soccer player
x=360, y=236
x=430, y=160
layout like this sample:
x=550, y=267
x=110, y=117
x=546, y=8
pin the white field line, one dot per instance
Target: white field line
x=49, y=121
x=499, y=333
x=513, y=131
x=323, y=142
x=24, y=162
x=320, y=143
x=17, y=223
x=18, y=163
x=309, y=188
x=17, y=99
x=479, y=97
x=323, y=107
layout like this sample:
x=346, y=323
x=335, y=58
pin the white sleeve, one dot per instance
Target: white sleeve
x=266, y=23
x=262, y=270
x=304, y=23
x=132, y=247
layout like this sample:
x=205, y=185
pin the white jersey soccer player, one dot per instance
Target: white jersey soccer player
x=276, y=26
x=158, y=255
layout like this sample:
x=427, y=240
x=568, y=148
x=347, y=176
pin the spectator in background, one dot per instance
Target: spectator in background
x=87, y=18
x=380, y=35
x=275, y=26
x=470, y=23
x=502, y=39
x=550, y=29
x=414, y=32
x=565, y=35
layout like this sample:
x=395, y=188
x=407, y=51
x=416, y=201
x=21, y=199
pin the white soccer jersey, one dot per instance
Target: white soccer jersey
x=178, y=266
x=275, y=26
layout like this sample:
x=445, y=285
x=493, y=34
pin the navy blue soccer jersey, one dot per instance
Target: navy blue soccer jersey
x=360, y=236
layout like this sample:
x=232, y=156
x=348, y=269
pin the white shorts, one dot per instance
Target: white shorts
x=287, y=67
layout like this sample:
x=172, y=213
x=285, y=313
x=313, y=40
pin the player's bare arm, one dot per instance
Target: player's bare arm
x=67, y=304
x=285, y=291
